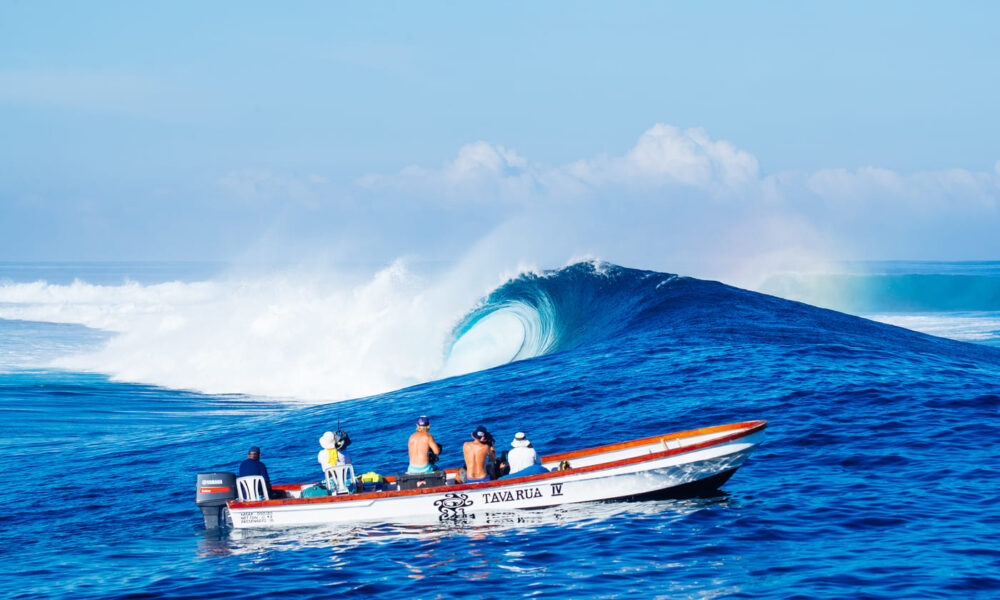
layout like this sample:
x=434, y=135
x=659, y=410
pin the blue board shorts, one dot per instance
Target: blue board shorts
x=411, y=470
x=478, y=480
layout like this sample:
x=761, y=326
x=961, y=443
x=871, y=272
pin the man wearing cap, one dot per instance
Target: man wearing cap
x=253, y=466
x=477, y=453
x=421, y=445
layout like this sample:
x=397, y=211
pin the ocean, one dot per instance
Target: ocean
x=879, y=476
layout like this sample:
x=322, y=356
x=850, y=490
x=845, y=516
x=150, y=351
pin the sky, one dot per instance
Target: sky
x=689, y=138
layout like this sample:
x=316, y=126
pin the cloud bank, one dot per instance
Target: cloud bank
x=664, y=156
x=675, y=200
x=679, y=199
x=667, y=158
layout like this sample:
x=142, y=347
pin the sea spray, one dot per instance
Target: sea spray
x=311, y=336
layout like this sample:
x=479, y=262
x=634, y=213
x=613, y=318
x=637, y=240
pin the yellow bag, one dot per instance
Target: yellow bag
x=371, y=477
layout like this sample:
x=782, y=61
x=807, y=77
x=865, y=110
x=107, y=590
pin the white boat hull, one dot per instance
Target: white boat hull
x=658, y=466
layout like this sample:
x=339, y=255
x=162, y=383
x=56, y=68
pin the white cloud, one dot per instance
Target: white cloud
x=680, y=200
x=479, y=160
x=663, y=156
x=677, y=200
x=681, y=163
x=667, y=154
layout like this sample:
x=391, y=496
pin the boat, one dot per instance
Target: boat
x=682, y=464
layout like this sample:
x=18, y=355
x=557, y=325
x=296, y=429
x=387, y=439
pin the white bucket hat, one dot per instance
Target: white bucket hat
x=520, y=441
x=328, y=441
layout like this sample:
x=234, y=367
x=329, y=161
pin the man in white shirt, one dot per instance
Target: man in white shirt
x=523, y=459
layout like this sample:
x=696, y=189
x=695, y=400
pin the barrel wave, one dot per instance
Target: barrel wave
x=593, y=303
x=877, y=479
x=560, y=310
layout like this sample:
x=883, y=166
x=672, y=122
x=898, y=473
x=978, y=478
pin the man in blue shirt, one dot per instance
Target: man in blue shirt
x=253, y=466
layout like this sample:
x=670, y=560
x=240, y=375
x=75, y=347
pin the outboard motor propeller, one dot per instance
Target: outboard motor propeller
x=214, y=489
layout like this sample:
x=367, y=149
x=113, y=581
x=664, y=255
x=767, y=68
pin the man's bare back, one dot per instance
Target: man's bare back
x=420, y=443
x=475, y=460
x=477, y=452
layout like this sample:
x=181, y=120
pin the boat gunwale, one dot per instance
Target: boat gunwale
x=741, y=429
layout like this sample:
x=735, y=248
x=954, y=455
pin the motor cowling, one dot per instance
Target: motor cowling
x=212, y=492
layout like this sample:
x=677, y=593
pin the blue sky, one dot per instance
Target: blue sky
x=217, y=130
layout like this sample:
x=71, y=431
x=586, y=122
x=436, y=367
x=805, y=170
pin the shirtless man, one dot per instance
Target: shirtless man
x=477, y=452
x=419, y=445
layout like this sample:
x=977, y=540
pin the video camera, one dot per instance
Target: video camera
x=341, y=440
x=432, y=458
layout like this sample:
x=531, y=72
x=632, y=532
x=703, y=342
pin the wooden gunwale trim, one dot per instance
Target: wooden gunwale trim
x=649, y=440
x=741, y=430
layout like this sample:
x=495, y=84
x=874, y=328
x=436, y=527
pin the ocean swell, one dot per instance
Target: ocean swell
x=323, y=340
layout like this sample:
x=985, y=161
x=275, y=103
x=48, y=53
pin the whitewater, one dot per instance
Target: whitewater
x=292, y=334
x=878, y=478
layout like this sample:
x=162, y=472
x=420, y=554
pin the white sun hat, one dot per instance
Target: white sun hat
x=520, y=441
x=328, y=440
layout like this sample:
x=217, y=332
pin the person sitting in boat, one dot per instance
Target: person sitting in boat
x=423, y=449
x=332, y=454
x=253, y=466
x=478, y=454
x=522, y=457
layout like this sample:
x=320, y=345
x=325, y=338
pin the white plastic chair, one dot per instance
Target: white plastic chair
x=251, y=487
x=338, y=478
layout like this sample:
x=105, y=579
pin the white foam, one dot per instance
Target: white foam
x=969, y=326
x=311, y=337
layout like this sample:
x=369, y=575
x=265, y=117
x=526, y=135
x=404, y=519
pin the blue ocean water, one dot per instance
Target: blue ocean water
x=879, y=477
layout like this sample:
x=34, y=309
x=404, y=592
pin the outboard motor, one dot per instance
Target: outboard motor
x=213, y=491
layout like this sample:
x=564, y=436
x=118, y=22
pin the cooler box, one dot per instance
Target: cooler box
x=432, y=479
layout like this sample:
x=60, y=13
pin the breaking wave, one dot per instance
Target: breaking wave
x=323, y=339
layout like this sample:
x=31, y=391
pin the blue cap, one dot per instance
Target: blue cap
x=253, y=450
x=480, y=433
x=423, y=421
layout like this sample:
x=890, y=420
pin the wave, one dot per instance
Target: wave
x=890, y=292
x=308, y=336
x=561, y=309
x=599, y=303
x=318, y=339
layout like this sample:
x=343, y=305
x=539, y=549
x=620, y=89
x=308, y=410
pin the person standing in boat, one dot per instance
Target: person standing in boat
x=522, y=457
x=422, y=448
x=478, y=453
x=332, y=454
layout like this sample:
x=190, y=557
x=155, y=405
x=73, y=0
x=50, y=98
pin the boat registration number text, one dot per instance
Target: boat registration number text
x=255, y=517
